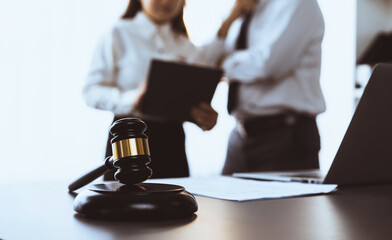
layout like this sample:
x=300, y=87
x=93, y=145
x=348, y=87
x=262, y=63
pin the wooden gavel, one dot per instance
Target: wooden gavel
x=131, y=155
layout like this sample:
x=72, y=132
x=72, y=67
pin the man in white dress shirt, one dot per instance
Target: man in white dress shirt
x=277, y=93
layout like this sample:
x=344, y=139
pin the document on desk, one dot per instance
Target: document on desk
x=236, y=189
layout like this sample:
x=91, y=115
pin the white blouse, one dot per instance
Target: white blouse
x=121, y=61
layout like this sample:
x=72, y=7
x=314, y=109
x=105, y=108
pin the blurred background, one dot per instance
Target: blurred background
x=47, y=133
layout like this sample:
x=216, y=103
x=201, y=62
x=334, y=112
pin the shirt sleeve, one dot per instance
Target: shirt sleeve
x=212, y=52
x=208, y=54
x=280, y=38
x=101, y=90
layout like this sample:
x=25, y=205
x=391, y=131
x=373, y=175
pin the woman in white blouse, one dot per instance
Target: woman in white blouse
x=149, y=29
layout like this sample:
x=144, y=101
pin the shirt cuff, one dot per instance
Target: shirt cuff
x=231, y=65
x=100, y=97
x=217, y=44
x=125, y=102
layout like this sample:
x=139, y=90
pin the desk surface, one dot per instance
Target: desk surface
x=44, y=211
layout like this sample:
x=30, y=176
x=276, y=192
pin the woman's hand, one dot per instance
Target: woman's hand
x=205, y=116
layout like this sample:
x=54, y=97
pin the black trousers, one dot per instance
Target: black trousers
x=167, y=147
x=273, y=144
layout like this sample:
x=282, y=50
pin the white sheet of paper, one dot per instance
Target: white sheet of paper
x=230, y=188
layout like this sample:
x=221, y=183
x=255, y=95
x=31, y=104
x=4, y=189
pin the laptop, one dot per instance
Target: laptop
x=365, y=153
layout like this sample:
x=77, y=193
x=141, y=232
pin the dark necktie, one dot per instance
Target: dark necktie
x=240, y=45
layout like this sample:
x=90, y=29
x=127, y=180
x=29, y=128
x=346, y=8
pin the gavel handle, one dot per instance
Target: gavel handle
x=92, y=175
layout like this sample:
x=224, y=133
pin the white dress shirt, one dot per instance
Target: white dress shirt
x=280, y=69
x=121, y=61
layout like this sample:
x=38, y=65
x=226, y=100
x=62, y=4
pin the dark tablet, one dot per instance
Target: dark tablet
x=174, y=88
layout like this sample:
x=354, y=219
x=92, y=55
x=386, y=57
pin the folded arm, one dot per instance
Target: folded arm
x=279, y=40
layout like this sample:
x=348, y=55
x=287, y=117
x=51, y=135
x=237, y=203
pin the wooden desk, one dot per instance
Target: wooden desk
x=44, y=211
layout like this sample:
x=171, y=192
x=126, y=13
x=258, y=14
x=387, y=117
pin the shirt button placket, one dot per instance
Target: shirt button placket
x=159, y=43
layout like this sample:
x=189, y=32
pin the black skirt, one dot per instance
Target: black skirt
x=167, y=147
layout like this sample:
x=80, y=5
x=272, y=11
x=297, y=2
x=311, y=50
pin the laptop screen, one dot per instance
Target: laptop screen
x=365, y=154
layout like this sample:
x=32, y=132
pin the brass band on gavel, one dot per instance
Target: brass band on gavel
x=130, y=147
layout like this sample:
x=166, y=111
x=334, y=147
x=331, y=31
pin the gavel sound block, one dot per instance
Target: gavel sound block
x=130, y=198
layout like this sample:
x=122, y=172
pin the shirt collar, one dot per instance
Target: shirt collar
x=148, y=27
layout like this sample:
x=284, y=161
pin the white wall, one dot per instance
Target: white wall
x=337, y=74
x=47, y=132
x=207, y=150
x=374, y=16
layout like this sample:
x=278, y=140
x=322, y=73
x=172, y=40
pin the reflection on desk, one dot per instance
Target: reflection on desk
x=44, y=211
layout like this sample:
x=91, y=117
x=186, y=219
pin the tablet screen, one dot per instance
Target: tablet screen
x=174, y=88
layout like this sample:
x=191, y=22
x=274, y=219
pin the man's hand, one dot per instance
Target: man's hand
x=240, y=7
x=205, y=116
x=246, y=6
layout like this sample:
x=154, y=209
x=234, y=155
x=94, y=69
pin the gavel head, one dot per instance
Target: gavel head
x=131, y=153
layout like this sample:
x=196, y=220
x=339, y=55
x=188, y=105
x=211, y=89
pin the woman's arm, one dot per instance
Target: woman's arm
x=101, y=90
